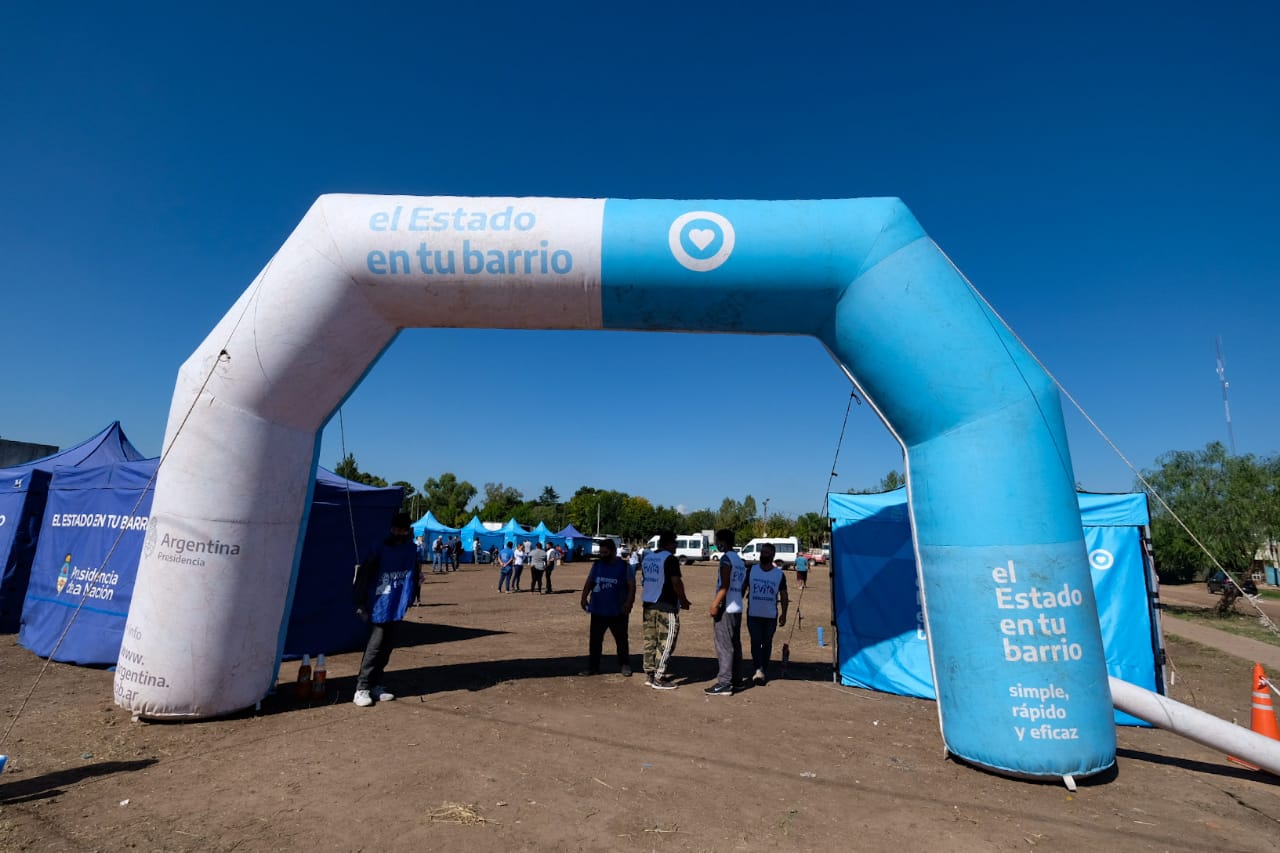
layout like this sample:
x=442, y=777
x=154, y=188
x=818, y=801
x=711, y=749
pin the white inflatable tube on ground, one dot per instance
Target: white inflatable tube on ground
x=1196, y=725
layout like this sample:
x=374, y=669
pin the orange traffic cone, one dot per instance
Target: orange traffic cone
x=1263, y=719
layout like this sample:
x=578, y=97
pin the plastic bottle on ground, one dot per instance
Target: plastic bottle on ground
x=304, y=678
x=317, y=678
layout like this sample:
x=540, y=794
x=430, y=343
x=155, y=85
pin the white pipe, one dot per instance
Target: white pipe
x=1196, y=725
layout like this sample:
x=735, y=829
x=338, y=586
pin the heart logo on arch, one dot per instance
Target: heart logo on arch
x=701, y=237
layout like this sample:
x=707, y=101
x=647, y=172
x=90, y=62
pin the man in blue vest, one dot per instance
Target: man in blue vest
x=663, y=597
x=726, y=614
x=607, y=595
x=387, y=582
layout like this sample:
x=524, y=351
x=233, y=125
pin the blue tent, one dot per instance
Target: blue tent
x=429, y=525
x=880, y=633
x=475, y=529
x=515, y=533
x=576, y=543
x=23, y=492
x=93, y=534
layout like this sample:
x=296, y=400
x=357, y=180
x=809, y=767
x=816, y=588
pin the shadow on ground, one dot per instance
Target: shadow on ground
x=17, y=790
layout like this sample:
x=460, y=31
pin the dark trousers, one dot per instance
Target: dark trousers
x=728, y=634
x=536, y=584
x=761, y=629
x=515, y=575
x=550, y=568
x=382, y=639
x=616, y=625
x=504, y=579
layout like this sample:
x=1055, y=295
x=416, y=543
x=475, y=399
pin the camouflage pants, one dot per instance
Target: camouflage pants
x=661, y=630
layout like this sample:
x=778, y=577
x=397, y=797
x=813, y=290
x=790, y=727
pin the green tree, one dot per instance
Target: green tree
x=738, y=516
x=636, y=520
x=412, y=500
x=1231, y=504
x=580, y=510
x=349, y=469
x=447, y=497
x=500, y=502
x=811, y=529
x=889, y=482
x=699, y=519
x=548, y=497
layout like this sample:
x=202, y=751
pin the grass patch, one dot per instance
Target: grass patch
x=1235, y=623
x=1273, y=594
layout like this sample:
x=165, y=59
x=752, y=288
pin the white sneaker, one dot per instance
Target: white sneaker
x=382, y=694
x=363, y=699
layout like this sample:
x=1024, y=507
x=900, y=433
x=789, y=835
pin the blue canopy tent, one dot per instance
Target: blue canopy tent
x=475, y=529
x=90, y=508
x=429, y=525
x=543, y=534
x=881, y=640
x=515, y=533
x=576, y=543
x=23, y=492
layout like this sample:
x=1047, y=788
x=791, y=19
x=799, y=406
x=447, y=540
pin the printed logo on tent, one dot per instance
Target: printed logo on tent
x=64, y=574
x=1101, y=559
x=2, y=520
x=700, y=240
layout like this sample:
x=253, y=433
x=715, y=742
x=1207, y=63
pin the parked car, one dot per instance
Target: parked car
x=816, y=557
x=1218, y=581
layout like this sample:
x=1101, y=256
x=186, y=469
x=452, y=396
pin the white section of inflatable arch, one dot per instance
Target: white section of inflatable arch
x=969, y=405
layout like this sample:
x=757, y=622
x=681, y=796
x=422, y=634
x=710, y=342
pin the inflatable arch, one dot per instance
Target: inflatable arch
x=1007, y=599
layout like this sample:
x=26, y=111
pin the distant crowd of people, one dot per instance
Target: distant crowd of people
x=389, y=578
x=541, y=560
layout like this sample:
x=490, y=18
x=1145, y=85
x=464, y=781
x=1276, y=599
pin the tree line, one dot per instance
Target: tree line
x=1231, y=503
x=589, y=509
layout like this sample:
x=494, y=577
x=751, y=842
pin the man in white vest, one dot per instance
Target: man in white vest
x=766, y=609
x=663, y=598
x=726, y=613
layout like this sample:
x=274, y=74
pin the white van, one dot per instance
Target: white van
x=596, y=540
x=786, y=549
x=689, y=547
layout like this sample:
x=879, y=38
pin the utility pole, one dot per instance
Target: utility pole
x=1226, y=403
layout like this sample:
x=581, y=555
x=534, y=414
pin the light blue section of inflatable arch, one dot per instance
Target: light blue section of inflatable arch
x=974, y=413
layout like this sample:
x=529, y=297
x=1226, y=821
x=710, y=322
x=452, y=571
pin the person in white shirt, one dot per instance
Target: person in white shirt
x=517, y=566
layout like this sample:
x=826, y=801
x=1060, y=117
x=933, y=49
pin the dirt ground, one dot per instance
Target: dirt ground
x=493, y=718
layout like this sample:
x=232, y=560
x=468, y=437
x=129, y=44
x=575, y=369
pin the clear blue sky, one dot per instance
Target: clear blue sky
x=1106, y=175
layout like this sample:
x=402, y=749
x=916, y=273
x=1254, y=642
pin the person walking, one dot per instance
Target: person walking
x=475, y=550
x=506, y=562
x=517, y=565
x=766, y=610
x=608, y=595
x=437, y=556
x=386, y=583
x=802, y=571
x=726, y=615
x=553, y=557
x=663, y=598
x=537, y=566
